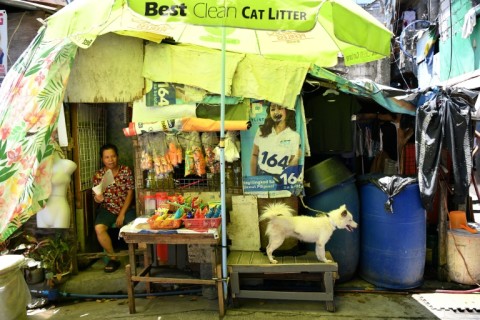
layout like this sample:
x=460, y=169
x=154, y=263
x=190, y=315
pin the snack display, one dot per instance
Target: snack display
x=162, y=219
x=177, y=210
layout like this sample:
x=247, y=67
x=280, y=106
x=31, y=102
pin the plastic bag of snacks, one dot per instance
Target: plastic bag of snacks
x=194, y=158
x=209, y=142
x=174, y=149
x=146, y=157
x=161, y=161
x=232, y=145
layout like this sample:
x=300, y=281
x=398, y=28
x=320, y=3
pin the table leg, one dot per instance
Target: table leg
x=130, y=290
x=220, y=292
x=130, y=270
x=147, y=261
x=328, y=283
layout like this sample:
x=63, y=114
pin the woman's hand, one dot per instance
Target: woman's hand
x=119, y=221
x=99, y=198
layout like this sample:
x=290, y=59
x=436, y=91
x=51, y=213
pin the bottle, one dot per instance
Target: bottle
x=150, y=204
x=150, y=182
x=161, y=199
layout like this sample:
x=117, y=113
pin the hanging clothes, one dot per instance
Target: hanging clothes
x=331, y=129
x=408, y=17
x=446, y=117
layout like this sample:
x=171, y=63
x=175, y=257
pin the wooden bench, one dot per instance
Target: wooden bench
x=306, y=268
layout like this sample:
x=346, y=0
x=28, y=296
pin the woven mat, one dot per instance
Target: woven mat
x=451, y=306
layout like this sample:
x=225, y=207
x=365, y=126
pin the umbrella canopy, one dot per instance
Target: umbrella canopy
x=342, y=28
x=32, y=91
x=336, y=27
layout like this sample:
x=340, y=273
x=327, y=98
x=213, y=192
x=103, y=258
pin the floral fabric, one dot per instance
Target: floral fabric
x=30, y=99
x=116, y=193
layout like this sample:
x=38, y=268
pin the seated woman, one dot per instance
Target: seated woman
x=114, y=202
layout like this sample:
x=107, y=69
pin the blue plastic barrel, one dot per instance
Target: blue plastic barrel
x=343, y=245
x=393, y=245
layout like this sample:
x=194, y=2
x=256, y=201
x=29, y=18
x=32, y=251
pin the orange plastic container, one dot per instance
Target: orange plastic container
x=458, y=220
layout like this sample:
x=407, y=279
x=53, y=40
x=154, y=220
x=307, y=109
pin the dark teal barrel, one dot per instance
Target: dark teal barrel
x=343, y=245
x=393, y=244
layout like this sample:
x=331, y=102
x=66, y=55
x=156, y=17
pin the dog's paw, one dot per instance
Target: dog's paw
x=327, y=261
x=273, y=261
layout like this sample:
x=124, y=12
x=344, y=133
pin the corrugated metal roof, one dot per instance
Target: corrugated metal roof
x=47, y=5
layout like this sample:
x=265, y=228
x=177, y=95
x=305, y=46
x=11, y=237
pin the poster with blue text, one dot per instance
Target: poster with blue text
x=273, y=150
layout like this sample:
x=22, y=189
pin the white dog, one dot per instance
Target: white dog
x=282, y=224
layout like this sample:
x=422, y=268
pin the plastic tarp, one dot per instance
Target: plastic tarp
x=444, y=118
x=391, y=186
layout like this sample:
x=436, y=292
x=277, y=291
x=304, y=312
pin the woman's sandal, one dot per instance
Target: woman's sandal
x=112, y=266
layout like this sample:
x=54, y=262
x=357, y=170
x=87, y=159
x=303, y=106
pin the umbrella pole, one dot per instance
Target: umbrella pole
x=222, y=167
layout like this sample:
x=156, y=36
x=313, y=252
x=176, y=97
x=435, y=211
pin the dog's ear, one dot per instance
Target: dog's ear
x=344, y=213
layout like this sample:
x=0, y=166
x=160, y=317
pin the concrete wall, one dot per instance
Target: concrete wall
x=22, y=28
x=378, y=71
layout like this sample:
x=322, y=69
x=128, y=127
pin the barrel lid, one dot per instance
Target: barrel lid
x=10, y=262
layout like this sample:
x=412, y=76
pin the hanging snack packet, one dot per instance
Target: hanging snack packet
x=186, y=141
x=174, y=149
x=209, y=142
x=199, y=161
x=231, y=147
x=161, y=161
x=194, y=158
x=146, y=158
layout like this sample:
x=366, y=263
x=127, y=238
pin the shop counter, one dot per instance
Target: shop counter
x=138, y=232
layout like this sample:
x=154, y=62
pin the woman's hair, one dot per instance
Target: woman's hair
x=268, y=124
x=108, y=146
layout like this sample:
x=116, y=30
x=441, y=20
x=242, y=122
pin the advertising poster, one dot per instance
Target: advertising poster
x=273, y=151
x=3, y=44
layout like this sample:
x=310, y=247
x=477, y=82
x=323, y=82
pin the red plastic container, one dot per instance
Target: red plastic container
x=202, y=224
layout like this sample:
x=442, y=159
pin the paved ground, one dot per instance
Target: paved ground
x=349, y=306
x=355, y=299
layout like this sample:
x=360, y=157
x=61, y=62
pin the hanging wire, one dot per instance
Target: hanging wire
x=402, y=36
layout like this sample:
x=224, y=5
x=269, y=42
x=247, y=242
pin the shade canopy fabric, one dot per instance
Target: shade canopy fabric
x=32, y=92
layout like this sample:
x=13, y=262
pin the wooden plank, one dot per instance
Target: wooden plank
x=243, y=228
x=254, y=259
x=442, y=271
x=286, y=268
x=174, y=238
x=285, y=295
x=299, y=268
x=288, y=260
x=174, y=280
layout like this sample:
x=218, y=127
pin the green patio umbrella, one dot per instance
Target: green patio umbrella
x=37, y=82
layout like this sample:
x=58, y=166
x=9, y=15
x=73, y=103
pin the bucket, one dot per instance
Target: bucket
x=343, y=245
x=393, y=245
x=458, y=220
x=463, y=260
x=14, y=292
x=325, y=175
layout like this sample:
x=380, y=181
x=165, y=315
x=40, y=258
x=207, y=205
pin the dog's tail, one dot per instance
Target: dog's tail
x=276, y=209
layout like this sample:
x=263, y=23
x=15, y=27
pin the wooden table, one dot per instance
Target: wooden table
x=151, y=239
x=298, y=268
